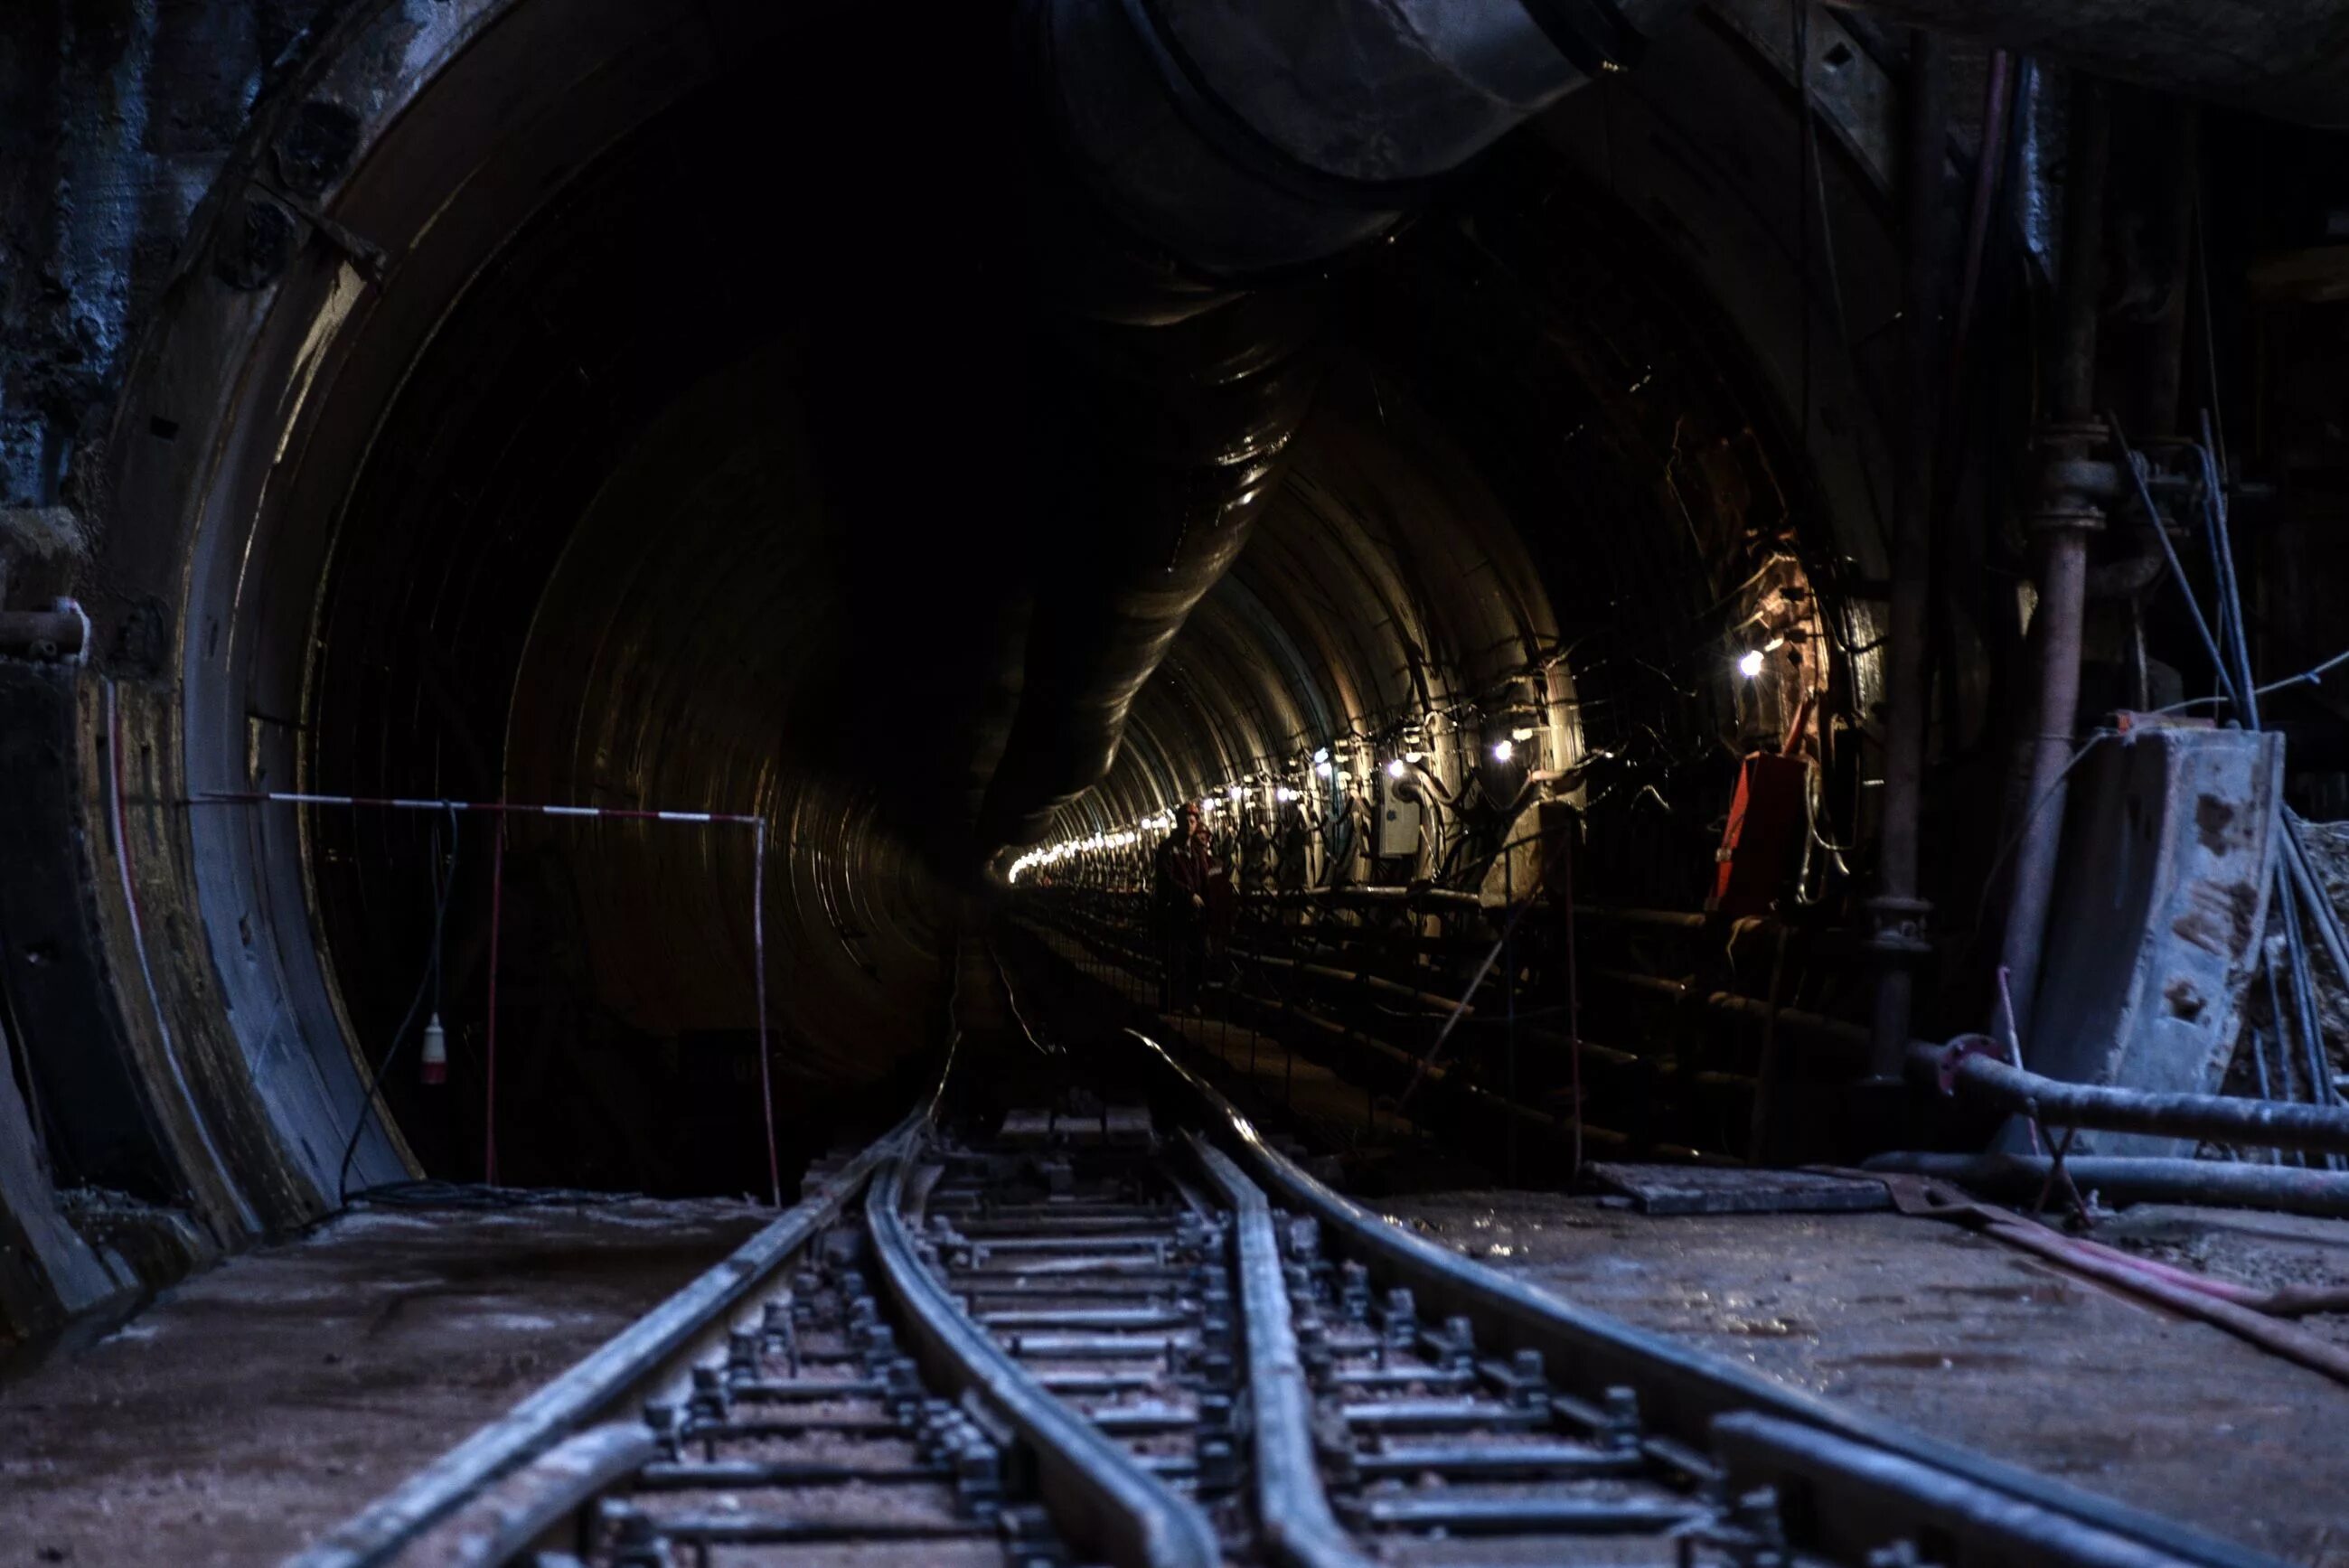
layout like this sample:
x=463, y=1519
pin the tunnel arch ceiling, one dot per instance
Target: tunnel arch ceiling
x=1565, y=439
x=522, y=167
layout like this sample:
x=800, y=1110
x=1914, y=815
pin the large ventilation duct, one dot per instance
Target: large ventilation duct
x=2288, y=59
x=1196, y=149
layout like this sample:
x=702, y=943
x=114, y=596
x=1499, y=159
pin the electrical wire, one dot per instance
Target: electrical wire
x=430, y=981
x=2055, y=787
x=2313, y=675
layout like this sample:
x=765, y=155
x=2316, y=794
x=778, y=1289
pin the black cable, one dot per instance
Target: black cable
x=429, y=980
x=435, y=1194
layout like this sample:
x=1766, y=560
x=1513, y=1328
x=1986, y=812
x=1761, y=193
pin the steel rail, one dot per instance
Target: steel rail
x=510, y=1519
x=1294, y=1521
x=1098, y=1496
x=1682, y=1391
x=657, y=1348
x=1873, y=1493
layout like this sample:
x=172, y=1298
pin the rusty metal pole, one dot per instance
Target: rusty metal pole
x=1897, y=913
x=2074, y=478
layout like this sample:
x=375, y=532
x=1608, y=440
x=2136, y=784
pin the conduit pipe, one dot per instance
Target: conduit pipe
x=59, y=634
x=2263, y=1123
x=1239, y=138
x=1192, y=149
x=2286, y=1189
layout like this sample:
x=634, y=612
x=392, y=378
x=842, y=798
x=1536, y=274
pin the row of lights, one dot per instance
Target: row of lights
x=1749, y=665
x=1324, y=764
x=1056, y=853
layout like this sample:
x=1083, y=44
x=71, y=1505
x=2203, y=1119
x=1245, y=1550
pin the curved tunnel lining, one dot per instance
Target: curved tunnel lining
x=228, y=862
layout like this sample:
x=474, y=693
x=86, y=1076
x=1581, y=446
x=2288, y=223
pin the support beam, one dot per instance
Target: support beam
x=1899, y=913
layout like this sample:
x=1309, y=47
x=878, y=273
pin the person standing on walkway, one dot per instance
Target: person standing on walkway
x=1180, y=885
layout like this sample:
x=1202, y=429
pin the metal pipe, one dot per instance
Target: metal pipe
x=2265, y=1123
x=1899, y=913
x=2118, y=1178
x=1816, y=1025
x=44, y=633
x=2068, y=511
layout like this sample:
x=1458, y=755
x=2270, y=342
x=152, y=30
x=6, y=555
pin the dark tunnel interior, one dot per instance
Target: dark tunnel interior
x=728, y=484
x=1465, y=776
x=588, y=411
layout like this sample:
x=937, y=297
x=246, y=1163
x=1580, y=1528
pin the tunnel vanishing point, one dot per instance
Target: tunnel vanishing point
x=554, y=552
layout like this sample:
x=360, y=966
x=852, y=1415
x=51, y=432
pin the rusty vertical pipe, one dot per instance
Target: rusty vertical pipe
x=2075, y=383
x=2066, y=513
x=1898, y=913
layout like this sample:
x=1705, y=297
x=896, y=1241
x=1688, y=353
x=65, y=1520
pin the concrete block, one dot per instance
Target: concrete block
x=2160, y=902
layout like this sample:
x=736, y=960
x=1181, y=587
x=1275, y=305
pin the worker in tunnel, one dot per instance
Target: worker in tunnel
x=1179, y=890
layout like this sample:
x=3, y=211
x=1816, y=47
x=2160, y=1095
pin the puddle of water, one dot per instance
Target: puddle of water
x=1932, y=1361
x=2047, y=1292
x=1765, y=1328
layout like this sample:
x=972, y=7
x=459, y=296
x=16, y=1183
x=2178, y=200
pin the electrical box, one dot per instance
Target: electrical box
x=1761, y=845
x=1398, y=823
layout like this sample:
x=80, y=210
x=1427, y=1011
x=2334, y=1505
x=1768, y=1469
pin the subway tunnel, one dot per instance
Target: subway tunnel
x=658, y=428
x=561, y=557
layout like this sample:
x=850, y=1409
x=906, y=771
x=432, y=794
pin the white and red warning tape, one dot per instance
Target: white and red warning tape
x=509, y=808
x=505, y=808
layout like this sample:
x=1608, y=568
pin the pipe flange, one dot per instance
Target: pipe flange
x=1952, y=1057
x=2076, y=478
x=2080, y=477
x=2065, y=520
x=1899, y=927
x=2084, y=435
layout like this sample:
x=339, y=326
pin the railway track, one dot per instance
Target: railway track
x=1137, y=1334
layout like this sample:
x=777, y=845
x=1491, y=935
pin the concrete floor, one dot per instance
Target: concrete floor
x=262, y=1402
x=251, y=1408
x=259, y=1404
x=1978, y=1343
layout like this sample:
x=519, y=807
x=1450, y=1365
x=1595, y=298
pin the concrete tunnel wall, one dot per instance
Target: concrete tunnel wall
x=595, y=453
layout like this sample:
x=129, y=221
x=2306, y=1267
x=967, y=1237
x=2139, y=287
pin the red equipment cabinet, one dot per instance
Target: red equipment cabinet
x=1762, y=846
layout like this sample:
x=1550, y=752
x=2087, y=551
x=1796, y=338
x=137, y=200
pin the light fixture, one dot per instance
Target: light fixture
x=1284, y=793
x=1323, y=766
x=1394, y=768
x=1239, y=792
x=1503, y=749
x=1321, y=757
x=1749, y=664
x=1523, y=711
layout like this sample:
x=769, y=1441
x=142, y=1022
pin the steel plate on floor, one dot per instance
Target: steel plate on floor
x=1711, y=1189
